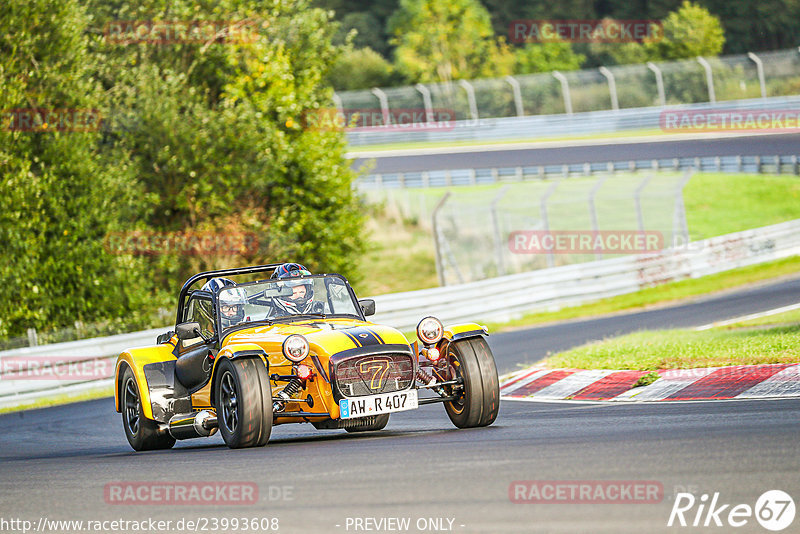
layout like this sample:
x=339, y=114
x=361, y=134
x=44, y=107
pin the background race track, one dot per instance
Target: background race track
x=477, y=157
x=56, y=462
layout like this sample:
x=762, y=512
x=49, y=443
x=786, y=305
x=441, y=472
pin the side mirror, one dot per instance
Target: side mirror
x=187, y=331
x=367, y=306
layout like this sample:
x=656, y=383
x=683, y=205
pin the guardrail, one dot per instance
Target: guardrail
x=769, y=164
x=505, y=297
x=552, y=126
x=495, y=299
x=69, y=368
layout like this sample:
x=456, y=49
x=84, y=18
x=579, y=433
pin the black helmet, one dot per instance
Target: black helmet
x=215, y=284
x=285, y=273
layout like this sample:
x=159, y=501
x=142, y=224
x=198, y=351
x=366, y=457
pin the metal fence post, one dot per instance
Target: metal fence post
x=33, y=339
x=565, y=90
x=680, y=226
x=760, y=69
x=384, y=105
x=517, y=95
x=593, y=210
x=662, y=97
x=712, y=96
x=473, y=106
x=612, y=87
x=426, y=99
x=637, y=199
x=498, y=242
x=337, y=101
x=437, y=237
x=545, y=221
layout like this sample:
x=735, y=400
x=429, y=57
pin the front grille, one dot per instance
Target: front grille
x=374, y=373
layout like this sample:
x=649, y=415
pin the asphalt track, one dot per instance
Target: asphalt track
x=56, y=462
x=756, y=145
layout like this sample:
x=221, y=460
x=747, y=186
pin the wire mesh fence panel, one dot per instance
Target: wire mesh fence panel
x=541, y=94
x=589, y=90
x=735, y=77
x=406, y=108
x=636, y=86
x=494, y=98
x=357, y=100
x=782, y=72
x=451, y=96
x=684, y=82
x=516, y=227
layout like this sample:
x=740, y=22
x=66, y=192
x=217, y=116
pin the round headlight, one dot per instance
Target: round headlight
x=430, y=330
x=295, y=348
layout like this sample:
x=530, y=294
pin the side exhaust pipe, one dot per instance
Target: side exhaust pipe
x=192, y=425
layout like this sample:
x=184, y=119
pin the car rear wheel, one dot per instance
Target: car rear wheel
x=367, y=424
x=243, y=400
x=478, y=398
x=143, y=434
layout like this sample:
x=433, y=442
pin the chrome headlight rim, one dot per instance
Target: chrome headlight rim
x=295, y=348
x=430, y=325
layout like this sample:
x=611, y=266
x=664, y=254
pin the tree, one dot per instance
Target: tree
x=546, y=57
x=60, y=195
x=444, y=40
x=361, y=68
x=688, y=32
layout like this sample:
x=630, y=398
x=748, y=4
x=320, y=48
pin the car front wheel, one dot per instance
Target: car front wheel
x=478, y=397
x=243, y=400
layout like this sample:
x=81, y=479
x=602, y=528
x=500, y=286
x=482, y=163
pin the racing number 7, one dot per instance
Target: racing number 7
x=378, y=368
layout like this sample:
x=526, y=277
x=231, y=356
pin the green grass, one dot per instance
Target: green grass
x=399, y=258
x=784, y=318
x=660, y=295
x=686, y=349
x=63, y=398
x=718, y=204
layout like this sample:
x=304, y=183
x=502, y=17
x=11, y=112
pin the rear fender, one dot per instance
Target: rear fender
x=136, y=359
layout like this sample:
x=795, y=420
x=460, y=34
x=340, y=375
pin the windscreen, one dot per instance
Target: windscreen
x=275, y=299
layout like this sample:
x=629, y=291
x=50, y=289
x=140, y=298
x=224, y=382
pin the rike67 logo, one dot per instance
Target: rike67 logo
x=774, y=510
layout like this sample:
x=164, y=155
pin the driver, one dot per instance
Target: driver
x=231, y=300
x=302, y=298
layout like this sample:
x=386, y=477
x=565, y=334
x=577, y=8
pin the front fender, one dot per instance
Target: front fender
x=464, y=331
x=232, y=352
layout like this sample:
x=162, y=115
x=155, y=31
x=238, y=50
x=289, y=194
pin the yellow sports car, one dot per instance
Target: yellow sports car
x=293, y=348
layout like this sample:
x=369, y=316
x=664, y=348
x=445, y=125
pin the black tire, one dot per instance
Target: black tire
x=367, y=424
x=479, y=397
x=243, y=399
x=143, y=434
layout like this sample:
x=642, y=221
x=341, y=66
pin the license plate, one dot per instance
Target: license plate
x=378, y=404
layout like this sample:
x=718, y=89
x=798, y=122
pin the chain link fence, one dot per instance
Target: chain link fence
x=497, y=221
x=766, y=74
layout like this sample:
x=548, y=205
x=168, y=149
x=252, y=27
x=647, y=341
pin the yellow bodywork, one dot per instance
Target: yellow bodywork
x=325, y=338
